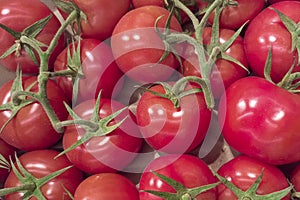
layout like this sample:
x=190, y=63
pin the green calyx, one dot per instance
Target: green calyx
x=30, y=186
x=182, y=193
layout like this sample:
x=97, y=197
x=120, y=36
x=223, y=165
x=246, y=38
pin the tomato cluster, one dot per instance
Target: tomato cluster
x=150, y=100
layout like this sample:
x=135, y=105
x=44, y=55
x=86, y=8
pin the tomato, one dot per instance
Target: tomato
x=99, y=69
x=109, y=186
x=187, y=169
x=233, y=17
x=255, y=116
x=26, y=13
x=225, y=72
x=140, y=3
x=41, y=163
x=30, y=129
x=137, y=47
x=272, y=31
x=109, y=153
x=102, y=16
x=243, y=171
x=164, y=127
x=6, y=151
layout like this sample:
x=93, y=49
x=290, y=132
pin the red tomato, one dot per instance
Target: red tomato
x=187, y=169
x=137, y=47
x=271, y=31
x=31, y=129
x=140, y=3
x=108, y=186
x=6, y=150
x=165, y=127
x=243, y=171
x=233, y=17
x=225, y=72
x=109, y=153
x=26, y=13
x=259, y=119
x=102, y=17
x=99, y=69
x=41, y=163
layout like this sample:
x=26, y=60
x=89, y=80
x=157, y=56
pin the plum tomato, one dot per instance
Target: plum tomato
x=243, y=171
x=108, y=186
x=18, y=15
x=31, y=129
x=138, y=48
x=189, y=170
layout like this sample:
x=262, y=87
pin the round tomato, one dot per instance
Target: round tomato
x=243, y=171
x=99, y=70
x=31, y=129
x=18, y=15
x=102, y=16
x=260, y=119
x=6, y=151
x=187, y=169
x=108, y=153
x=165, y=127
x=108, y=186
x=138, y=48
x=266, y=30
x=41, y=163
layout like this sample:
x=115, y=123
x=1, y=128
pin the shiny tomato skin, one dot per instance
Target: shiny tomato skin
x=31, y=129
x=29, y=12
x=102, y=16
x=272, y=31
x=233, y=17
x=108, y=186
x=6, y=151
x=242, y=171
x=165, y=127
x=99, y=69
x=110, y=153
x=259, y=119
x=225, y=72
x=138, y=48
x=187, y=169
x=40, y=163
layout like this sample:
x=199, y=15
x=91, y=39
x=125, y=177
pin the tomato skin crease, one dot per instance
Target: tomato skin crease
x=260, y=119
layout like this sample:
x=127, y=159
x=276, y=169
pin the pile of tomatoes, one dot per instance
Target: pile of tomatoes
x=131, y=99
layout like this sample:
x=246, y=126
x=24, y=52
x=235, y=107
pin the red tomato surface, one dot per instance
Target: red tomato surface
x=108, y=186
x=243, y=171
x=31, y=129
x=18, y=15
x=99, y=69
x=140, y=3
x=102, y=16
x=110, y=153
x=266, y=29
x=40, y=163
x=260, y=119
x=187, y=169
x=165, y=127
x=137, y=47
x=6, y=151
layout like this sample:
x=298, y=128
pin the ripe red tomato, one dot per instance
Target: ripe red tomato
x=140, y=3
x=31, y=129
x=164, y=127
x=6, y=151
x=41, y=163
x=225, y=72
x=102, y=16
x=260, y=119
x=233, y=17
x=272, y=31
x=109, y=186
x=109, y=153
x=187, y=169
x=138, y=48
x=243, y=171
x=26, y=13
x=99, y=69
